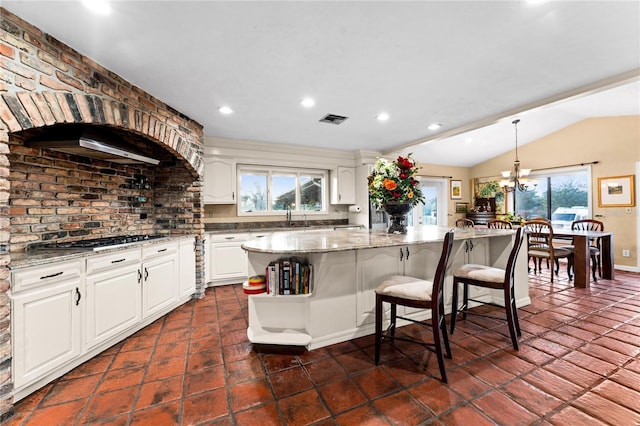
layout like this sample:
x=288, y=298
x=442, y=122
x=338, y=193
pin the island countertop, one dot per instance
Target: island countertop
x=322, y=241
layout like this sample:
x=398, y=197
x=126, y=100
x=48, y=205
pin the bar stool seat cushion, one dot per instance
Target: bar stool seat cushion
x=480, y=273
x=406, y=288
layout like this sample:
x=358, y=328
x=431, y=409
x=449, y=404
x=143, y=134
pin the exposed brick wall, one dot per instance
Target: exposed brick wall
x=46, y=195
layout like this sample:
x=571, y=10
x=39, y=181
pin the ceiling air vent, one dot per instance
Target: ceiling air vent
x=333, y=119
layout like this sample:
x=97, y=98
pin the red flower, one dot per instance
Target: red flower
x=396, y=194
x=404, y=175
x=404, y=163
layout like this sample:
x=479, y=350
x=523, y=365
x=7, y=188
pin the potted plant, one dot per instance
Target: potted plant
x=514, y=219
x=489, y=190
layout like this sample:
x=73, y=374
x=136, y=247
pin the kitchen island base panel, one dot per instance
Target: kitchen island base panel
x=338, y=308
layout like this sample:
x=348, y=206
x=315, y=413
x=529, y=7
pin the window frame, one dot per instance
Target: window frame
x=560, y=171
x=269, y=171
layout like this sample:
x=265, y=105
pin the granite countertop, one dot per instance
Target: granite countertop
x=36, y=257
x=296, y=228
x=321, y=241
x=272, y=225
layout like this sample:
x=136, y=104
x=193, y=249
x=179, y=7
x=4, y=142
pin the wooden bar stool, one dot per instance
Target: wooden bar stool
x=416, y=293
x=489, y=277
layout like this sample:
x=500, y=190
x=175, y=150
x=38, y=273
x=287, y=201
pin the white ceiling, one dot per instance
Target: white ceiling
x=467, y=65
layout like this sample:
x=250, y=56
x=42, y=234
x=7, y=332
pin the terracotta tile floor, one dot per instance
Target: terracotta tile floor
x=579, y=364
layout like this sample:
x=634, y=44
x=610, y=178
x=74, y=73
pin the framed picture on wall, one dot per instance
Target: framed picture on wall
x=462, y=207
x=456, y=189
x=616, y=191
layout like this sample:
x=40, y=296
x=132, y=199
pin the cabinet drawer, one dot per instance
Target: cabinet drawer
x=38, y=276
x=154, y=250
x=107, y=261
x=255, y=235
x=229, y=238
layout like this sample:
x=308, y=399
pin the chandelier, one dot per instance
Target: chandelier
x=516, y=178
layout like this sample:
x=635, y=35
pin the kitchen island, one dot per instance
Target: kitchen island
x=347, y=267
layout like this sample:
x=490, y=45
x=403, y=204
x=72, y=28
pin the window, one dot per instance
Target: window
x=273, y=190
x=561, y=195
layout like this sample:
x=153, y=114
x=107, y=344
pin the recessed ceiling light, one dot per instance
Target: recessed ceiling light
x=307, y=102
x=97, y=6
x=225, y=110
x=434, y=126
x=383, y=116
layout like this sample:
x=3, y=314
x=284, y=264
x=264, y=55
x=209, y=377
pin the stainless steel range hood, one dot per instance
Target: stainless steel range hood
x=92, y=147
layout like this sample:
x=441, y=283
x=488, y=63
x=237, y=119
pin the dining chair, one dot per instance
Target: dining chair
x=594, y=243
x=499, y=224
x=489, y=277
x=464, y=223
x=416, y=293
x=540, y=246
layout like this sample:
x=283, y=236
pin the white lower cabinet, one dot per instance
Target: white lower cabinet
x=376, y=265
x=46, y=329
x=113, y=295
x=468, y=251
x=373, y=267
x=159, y=277
x=64, y=313
x=227, y=258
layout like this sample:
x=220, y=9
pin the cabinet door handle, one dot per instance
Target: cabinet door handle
x=161, y=250
x=407, y=249
x=139, y=276
x=401, y=254
x=78, y=296
x=146, y=274
x=118, y=260
x=233, y=196
x=470, y=245
x=52, y=275
x=229, y=238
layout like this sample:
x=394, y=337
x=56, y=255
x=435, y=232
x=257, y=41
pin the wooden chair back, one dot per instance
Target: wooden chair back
x=499, y=224
x=437, y=293
x=464, y=223
x=589, y=225
x=539, y=235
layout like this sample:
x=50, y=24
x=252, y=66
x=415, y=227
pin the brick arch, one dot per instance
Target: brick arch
x=28, y=110
x=45, y=82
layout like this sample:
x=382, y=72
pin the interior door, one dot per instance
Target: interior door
x=434, y=210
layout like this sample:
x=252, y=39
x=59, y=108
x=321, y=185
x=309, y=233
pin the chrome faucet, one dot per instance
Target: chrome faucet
x=288, y=216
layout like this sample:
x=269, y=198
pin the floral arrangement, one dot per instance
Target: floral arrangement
x=394, y=182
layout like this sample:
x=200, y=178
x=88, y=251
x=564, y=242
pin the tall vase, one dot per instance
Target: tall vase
x=397, y=213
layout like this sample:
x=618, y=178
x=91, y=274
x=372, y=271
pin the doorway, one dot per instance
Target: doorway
x=434, y=210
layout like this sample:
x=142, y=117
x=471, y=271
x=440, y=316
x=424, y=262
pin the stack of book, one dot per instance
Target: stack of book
x=289, y=276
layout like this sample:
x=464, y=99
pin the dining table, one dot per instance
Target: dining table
x=582, y=254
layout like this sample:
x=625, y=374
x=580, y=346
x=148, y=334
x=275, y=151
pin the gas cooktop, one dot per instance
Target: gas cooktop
x=99, y=243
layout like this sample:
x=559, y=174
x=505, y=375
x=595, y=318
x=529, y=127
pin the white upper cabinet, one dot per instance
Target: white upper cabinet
x=343, y=185
x=219, y=181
